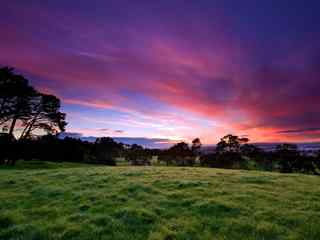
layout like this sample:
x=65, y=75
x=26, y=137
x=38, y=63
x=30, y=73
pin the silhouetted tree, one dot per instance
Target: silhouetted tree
x=230, y=143
x=209, y=160
x=196, y=146
x=288, y=156
x=137, y=155
x=75, y=150
x=228, y=152
x=250, y=150
x=307, y=164
x=181, y=154
x=7, y=143
x=45, y=115
x=106, y=150
x=291, y=160
x=21, y=102
x=16, y=98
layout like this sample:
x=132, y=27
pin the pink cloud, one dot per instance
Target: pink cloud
x=102, y=65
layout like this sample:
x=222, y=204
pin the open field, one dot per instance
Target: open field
x=81, y=202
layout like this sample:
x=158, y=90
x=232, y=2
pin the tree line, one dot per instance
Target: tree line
x=231, y=152
x=31, y=122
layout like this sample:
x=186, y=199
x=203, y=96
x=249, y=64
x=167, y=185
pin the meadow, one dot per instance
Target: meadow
x=76, y=201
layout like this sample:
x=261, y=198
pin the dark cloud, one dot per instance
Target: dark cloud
x=244, y=136
x=295, y=131
x=104, y=129
x=119, y=131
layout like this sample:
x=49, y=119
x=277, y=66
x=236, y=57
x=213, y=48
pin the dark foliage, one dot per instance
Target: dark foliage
x=196, y=147
x=228, y=152
x=105, y=150
x=7, y=146
x=21, y=103
x=180, y=154
x=137, y=155
x=290, y=160
x=234, y=152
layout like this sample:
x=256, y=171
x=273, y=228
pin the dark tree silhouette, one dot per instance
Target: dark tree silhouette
x=20, y=102
x=7, y=143
x=45, y=115
x=137, y=155
x=181, y=154
x=16, y=98
x=230, y=143
x=250, y=150
x=228, y=152
x=288, y=157
x=196, y=146
x=106, y=150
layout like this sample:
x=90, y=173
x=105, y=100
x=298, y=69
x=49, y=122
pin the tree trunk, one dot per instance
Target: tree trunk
x=13, y=124
x=28, y=128
x=26, y=131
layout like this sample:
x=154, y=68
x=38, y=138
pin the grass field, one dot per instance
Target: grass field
x=66, y=201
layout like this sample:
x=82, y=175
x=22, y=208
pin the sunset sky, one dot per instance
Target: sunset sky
x=173, y=69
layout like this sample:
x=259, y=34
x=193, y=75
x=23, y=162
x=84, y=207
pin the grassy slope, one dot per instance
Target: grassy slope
x=157, y=203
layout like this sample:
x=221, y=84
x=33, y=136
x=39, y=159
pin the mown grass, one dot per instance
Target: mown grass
x=157, y=203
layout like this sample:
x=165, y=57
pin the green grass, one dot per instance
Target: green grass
x=82, y=202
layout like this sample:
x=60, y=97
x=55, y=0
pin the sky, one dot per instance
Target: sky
x=172, y=70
